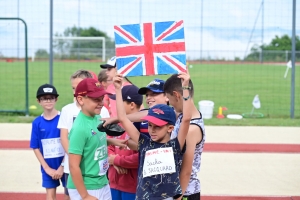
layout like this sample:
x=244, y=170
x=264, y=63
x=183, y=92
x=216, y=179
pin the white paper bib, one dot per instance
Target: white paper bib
x=159, y=161
x=52, y=148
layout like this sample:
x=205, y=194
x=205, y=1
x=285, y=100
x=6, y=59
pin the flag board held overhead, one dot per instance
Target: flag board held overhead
x=150, y=48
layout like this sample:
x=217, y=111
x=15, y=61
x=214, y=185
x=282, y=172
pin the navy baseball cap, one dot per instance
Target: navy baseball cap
x=130, y=94
x=160, y=115
x=157, y=86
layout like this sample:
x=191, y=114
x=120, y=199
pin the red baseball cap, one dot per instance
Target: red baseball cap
x=160, y=115
x=91, y=88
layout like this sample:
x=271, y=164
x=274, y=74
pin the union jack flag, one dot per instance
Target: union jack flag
x=150, y=48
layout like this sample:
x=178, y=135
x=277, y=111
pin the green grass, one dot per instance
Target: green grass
x=230, y=85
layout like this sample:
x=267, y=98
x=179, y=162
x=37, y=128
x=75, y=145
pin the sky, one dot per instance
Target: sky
x=213, y=28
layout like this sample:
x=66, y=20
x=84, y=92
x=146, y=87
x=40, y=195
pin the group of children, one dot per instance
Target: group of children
x=158, y=157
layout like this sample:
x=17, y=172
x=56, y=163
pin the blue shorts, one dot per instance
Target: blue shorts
x=119, y=195
x=48, y=182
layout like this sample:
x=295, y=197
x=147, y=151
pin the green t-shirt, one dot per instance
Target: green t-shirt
x=87, y=141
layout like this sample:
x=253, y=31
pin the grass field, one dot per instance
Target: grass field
x=230, y=85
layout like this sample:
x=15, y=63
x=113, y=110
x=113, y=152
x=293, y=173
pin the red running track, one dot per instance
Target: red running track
x=208, y=147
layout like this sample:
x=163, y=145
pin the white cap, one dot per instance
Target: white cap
x=111, y=63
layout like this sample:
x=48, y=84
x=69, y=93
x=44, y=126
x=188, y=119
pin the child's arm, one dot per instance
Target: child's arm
x=123, y=119
x=64, y=139
x=74, y=160
x=42, y=161
x=192, y=139
x=128, y=162
x=187, y=107
x=134, y=117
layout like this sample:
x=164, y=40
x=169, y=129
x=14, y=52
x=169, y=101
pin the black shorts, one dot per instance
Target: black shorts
x=192, y=197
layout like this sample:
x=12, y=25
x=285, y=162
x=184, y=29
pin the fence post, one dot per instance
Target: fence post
x=26, y=61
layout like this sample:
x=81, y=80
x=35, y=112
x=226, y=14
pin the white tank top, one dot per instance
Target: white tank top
x=194, y=183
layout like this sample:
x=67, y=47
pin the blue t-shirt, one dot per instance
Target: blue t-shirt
x=45, y=136
x=161, y=186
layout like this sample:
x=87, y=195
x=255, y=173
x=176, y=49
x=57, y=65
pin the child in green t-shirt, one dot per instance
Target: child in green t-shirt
x=88, y=147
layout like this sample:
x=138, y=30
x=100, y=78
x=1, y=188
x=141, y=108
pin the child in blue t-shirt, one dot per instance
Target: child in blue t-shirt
x=45, y=140
x=160, y=157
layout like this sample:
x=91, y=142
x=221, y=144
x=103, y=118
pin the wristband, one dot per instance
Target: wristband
x=186, y=88
x=186, y=98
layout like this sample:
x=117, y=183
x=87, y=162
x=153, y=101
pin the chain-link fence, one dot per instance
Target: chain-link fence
x=235, y=49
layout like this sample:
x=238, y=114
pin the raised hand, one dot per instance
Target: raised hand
x=118, y=81
x=185, y=78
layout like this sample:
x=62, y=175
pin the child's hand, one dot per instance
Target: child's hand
x=122, y=144
x=185, y=78
x=120, y=170
x=118, y=80
x=58, y=173
x=50, y=171
x=89, y=197
x=111, y=159
x=108, y=121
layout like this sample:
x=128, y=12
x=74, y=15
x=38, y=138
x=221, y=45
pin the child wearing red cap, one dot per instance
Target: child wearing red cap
x=88, y=146
x=68, y=114
x=160, y=157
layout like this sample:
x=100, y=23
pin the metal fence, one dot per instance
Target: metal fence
x=223, y=48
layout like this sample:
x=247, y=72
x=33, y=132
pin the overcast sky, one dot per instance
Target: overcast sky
x=227, y=24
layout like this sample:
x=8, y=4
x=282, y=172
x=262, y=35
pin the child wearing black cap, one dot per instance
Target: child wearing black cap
x=45, y=140
x=160, y=157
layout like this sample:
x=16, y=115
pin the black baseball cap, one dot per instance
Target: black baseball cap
x=130, y=94
x=111, y=63
x=46, y=89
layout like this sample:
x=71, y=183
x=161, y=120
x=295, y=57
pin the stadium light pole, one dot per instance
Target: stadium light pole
x=18, y=31
x=201, y=31
x=51, y=44
x=262, y=31
x=140, y=11
x=293, y=60
x=78, y=44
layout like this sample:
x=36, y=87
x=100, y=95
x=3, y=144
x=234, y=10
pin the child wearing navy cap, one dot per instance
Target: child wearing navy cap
x=160, y=157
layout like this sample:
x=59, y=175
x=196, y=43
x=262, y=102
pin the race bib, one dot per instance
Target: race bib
x=52, y=148
x=103, y=166
x=159, y=161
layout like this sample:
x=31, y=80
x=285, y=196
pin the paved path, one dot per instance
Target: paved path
x=235, y=164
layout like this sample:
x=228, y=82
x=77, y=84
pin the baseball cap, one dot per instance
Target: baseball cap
x=46, y=89
x=91, y=88
x=161, y=114
x=111, y=63
x=130, y=94
x=157, y=86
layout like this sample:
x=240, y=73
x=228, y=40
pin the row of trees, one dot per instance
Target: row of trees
x=71, y=48
x=283, y=43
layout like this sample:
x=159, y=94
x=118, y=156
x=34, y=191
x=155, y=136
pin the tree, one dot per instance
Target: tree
x=72, y=47
x=41, y=53
x=283, y=43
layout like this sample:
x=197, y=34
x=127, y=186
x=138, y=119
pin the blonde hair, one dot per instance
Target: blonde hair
x=102, y=76
x=81, y=74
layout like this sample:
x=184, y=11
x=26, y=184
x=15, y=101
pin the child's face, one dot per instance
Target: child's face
x=153, y=98
x=90, y=106
x=175, y=101
x=160, y=133
x=111, y=73
x=47, y=101
x=75, y=82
